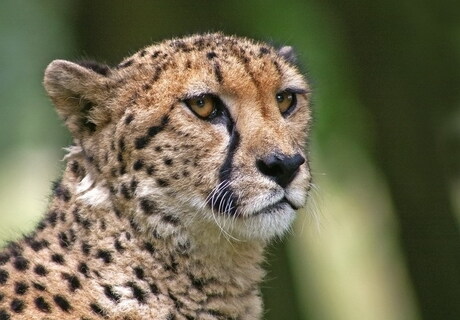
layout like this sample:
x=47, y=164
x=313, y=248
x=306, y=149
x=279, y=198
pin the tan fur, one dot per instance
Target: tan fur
x=137, y=228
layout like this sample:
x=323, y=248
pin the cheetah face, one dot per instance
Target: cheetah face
x=208, y=129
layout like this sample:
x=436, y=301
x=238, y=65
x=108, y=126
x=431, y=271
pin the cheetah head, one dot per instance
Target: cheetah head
x=207, y=130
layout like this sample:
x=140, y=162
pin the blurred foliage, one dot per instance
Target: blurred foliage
x=380, y=237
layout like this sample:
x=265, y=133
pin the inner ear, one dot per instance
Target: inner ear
x=80, y=92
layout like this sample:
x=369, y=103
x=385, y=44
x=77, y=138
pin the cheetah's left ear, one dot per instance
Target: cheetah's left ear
x=287, y=52
x=80, y=93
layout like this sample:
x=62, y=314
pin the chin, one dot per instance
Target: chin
x=267, y=224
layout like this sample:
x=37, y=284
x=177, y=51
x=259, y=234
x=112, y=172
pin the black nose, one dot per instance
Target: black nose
x=280, y=167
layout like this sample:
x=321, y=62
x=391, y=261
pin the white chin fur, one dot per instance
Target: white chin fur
x=263, y=226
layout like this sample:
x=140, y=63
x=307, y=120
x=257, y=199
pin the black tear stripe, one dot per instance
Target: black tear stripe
x=221, y=197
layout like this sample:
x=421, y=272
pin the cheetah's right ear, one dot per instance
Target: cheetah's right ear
x=79, y=92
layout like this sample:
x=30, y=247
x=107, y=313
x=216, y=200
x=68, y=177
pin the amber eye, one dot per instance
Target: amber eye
x=285, y=101
x=204, y=105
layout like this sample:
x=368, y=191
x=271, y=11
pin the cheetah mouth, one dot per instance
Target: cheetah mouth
x=276, y=207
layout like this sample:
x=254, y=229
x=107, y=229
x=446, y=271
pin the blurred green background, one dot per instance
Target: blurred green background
x=380, y=238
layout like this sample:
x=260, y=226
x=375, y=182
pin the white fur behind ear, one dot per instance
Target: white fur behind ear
x=287, y=52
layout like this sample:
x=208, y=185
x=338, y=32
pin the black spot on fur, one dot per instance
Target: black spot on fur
x=138, y=165
x=122, y=169
x=85, y=248
x=150, y=170
x=277, y=67
x=138, y=293
x=118, y=246
x=155, y=54
x=100, y=68
x=60, y=191
x=170, y=219
x=112, y=295
x=121, y=144
x=129, y=118
x=105, y=255
x=154, y=288
x=147, y=206
x=63, y=240
x=21, y=287
x=42, y=305
x=17, y=305
x=40, y=270
x=4, y=258
x=57, y=258
x=158, y=149
x=156, y=75
x=149, y=247
x=264, y=50
x=217, y=314
x=21, y=263
x=15, y=249
x=139, y=272
x=154, y=130
x=62, y=303
x=141, y=142
x=2, y=296
x=52, y=218
x=133, y=186
x=134, y=225
x=38, y=245
x=73, y=281
x=75, y=168
x=4, y=315
x=177, y=303
x=197, y=283
x=97, y=309
x=168, y=162
x=162, y=182
x=143, y=53
x=38, y=286
x=41, y=225
x=125, y=191
x=211, y=55
x=218, y=73
x=83, y=268
x=120, y=157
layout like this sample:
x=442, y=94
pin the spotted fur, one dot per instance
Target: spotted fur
x=160, y=214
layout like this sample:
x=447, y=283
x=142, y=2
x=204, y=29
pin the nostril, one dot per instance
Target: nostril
x=279, y=167
x=269, y=167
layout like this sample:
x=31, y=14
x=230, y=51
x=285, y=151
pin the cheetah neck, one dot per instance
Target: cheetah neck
x=109, y=233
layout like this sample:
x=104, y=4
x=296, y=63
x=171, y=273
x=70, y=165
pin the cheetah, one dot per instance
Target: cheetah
x=187, y=159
